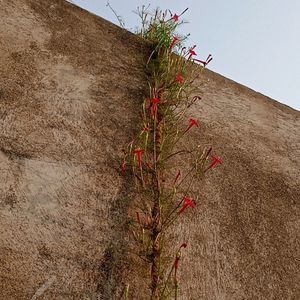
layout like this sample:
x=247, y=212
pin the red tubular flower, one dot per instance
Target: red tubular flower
x=139, y=152
x=215, y=161
x=179, y=78
x=206, y=62
x=193, y=122
x=188, y=203
x=154, y=103
x=175, y=39
x=192, y=52
x=175, y=18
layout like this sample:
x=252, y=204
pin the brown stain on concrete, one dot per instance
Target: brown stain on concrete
x=71, y=86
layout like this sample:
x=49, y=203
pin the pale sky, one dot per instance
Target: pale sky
x=253, y=42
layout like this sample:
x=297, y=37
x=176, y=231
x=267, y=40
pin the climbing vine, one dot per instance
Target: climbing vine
x=165, y=193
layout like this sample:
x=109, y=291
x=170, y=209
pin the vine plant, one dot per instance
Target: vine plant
x=165, y=194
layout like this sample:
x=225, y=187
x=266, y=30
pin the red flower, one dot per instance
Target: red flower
x=179, y=78
x=188, y=203
x=206, y=62
x=193, y=122
x=139, y=152
x=175, y=39
x=154, y=103
x=192, y=52
x=216, y=160
x=175, y=18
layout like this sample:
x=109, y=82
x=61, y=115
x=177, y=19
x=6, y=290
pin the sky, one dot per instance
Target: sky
x=253, y=42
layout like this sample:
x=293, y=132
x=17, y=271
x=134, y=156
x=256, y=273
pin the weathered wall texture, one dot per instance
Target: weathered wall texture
x=70, y=88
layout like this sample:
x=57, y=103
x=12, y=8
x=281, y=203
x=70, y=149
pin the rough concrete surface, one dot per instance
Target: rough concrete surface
x=70, y=88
